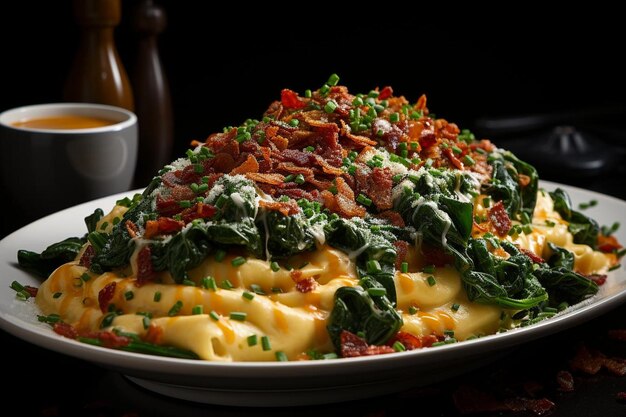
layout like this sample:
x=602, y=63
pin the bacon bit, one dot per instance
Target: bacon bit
x=436, y=256
x=326, y=167
x=290, y=100
x=523, y=180
x=536, y=259
x=167, y=208
x=306, y=285
x=453, y=159
x=272, y=179
x=87, y=257
x=32, y=291
x=281, y=142
x=151, y=229
x=412, y=342
x=223, y=162
x=380, y=184
x=591, y=361
x=427, y=138
x=145, y=269
x=393, y=217
x=618, y=334
x=197, y=211
x=132, y=229
x=385, y=93
x=353, y=346
x=287, y=208
x=608, y=244
x=565, y=381
x=402, y=248
x=65, y=330
x=105, y=295
x=112, y=341
x=249, y=165
x=154, y=334
x=421, y=102
x=294, y=169
x=303, y=285
x=499, y=219
x=597, y=278
x=470, y=400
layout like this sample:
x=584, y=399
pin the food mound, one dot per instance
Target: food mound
x=338, y=225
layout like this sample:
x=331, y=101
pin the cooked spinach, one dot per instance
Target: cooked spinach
x=509, y=283
x=359, y=312
x=285, y=235
x=55, y=255
x=519, y=201
x=561, y=281
x=584, y=229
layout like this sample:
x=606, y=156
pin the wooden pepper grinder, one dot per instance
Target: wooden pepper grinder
x=97, y=74
x=153, y=101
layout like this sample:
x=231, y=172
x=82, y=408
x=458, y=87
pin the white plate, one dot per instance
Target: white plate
x=292, y=383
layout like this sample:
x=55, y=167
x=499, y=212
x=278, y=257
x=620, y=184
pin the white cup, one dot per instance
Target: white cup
x=45, y=170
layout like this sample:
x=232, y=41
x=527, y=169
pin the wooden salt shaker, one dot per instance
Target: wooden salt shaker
x=97, y=74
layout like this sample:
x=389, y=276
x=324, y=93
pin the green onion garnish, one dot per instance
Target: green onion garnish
x=252, y=340
x=197, y=309
x=281, y=356
x=175, y=308
x=431, y=280
x=129, y=295
x=274, y=266
x=330, y=106
x=247, y=295
x=412, y=310
x=157, y=297
x=404, y=267
x=57, y=294
x=214, y=315
x=364, y=200
x=209, y=283
x=398, y=346
x=238, y=261
x=376, y=292
x=265, y=342
x=238, y=315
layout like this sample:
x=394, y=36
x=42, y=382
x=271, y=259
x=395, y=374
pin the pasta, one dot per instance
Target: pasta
x=338, y=225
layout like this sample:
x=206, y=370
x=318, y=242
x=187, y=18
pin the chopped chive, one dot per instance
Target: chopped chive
x=615, y=267
x=307, y=93
x=438, y=344
x=429, y=269
x=129, y=295
x=175, y=308
x=265, y=342
x=330, y=106
x=57, y=294
x=197, y=309
x=404, y=267
x=157, y=297
x=585, y=206
x=184, y=203
x=468, y=160
x=294, y=122
x=214, y=315
x=449, y=333
x=226, y=284
x=398, y=346
x=252, y=340
x=309, y=149
x=357, y=102
x=394, y=117
x=364, y=200
x=333, y=80
x=189, y=283
x=104, y=225
x=257, y=289
x=550, y=223
x=85, y=277
x=396, y=178
x=281, y=356
x=209, y=283
x=238, y=315
x=352, y=169
x=289, y=178
x=247, y=295
x=431, y=280
x=220, y=255
x=486, y=202
x=377, y=292
x=238, y=261
x=456, y=149
x=145, y=321
x=107, y=320
x=299, y=179
x=450, y=340
x=412, y=310
x=380, y=133
x=373, y=266
x=276, y=290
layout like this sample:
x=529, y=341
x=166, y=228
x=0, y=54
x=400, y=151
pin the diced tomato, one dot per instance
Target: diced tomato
x=290, y=100
x=145, y=269
x=65, y=330
x=385, y=93
x=499, y=219
x=87, y=257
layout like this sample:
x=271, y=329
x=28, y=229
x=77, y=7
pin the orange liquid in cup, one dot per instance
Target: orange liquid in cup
x=65, y=122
